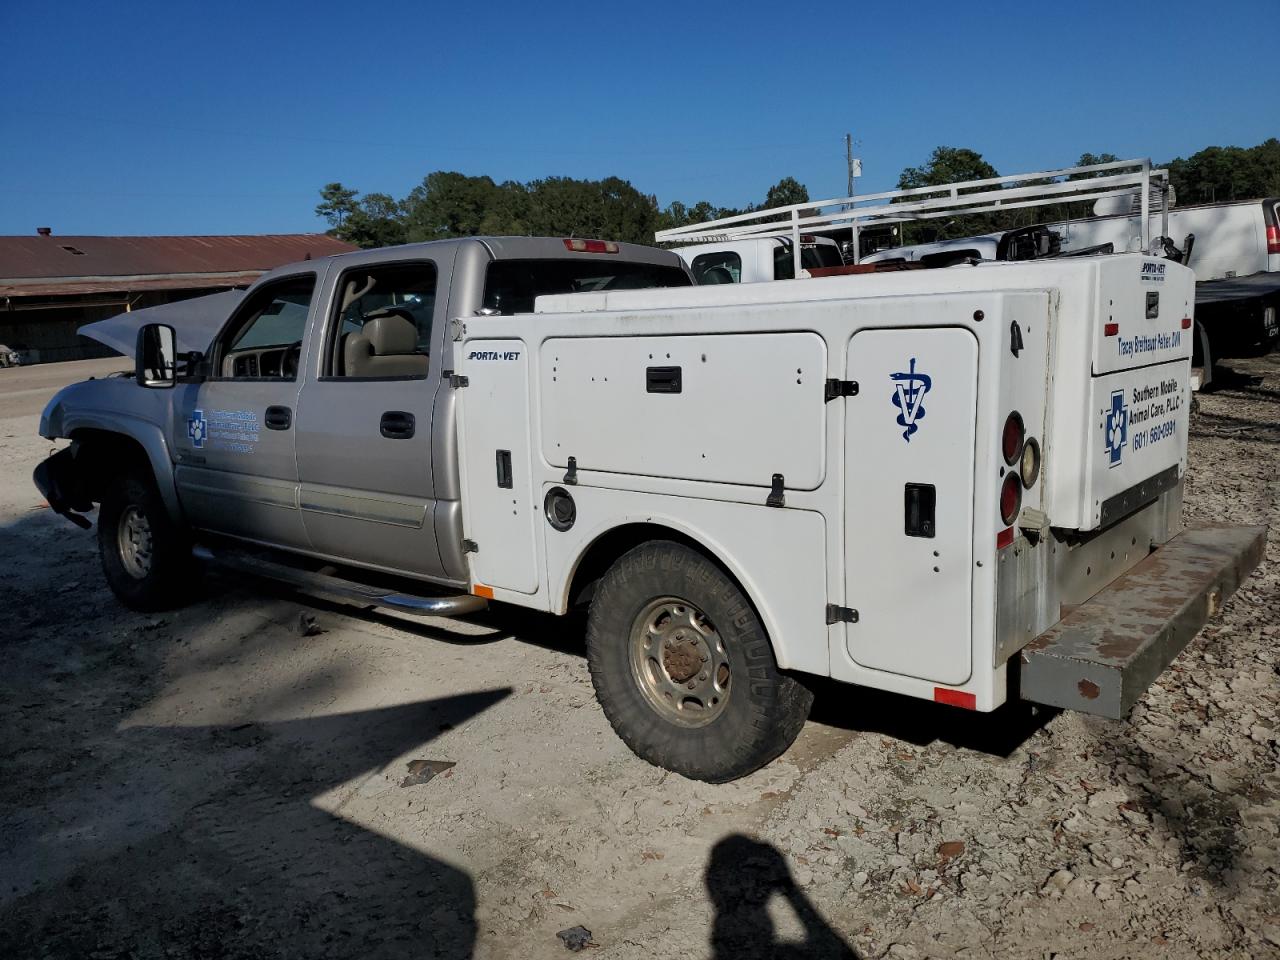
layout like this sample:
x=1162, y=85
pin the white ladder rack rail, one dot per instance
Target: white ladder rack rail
x=1114, y=179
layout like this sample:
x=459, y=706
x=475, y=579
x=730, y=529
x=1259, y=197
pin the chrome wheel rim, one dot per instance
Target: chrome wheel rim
x=133, y=539
x=679, y=662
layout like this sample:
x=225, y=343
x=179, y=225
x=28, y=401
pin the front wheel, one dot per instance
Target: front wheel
x=145, y=555
x=683, y=668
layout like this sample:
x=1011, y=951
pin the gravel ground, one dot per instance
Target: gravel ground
x=214, y=783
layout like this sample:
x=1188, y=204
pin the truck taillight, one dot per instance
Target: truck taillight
x=1273, y=239
x=1010, y=498
x=590, y=246
x=1029, y=466
x=1012, y=437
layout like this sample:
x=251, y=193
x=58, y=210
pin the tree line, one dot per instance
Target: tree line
x=451, y=204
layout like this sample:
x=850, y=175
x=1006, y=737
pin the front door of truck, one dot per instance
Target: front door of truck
x=909, y=455
x=233, y=433
x=364, y=433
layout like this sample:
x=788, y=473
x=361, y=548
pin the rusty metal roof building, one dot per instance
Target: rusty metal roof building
x=47, y=265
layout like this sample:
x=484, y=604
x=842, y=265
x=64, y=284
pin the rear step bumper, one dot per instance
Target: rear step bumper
x=447, y=606
x=1101, y=657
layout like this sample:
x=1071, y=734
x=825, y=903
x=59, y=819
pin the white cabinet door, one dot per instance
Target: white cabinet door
x=910, y=435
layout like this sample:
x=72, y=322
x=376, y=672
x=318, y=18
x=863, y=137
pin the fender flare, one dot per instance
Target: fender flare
x=147, y=435
x=701, y=540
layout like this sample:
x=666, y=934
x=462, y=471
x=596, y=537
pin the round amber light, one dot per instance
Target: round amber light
x=1030, y=466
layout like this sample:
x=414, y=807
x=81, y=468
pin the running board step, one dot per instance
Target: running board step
x=454, y=605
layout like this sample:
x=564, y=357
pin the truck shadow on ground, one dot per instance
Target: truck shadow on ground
x=839, y=705
x=246, y=864
x=921, y=722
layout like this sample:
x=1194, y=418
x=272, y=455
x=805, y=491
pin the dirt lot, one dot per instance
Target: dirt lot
x=212, y=783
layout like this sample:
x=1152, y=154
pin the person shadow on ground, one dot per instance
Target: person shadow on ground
x=743, y=875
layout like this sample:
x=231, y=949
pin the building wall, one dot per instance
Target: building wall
x=43, y=329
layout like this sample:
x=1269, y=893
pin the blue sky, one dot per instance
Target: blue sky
x=226, y=117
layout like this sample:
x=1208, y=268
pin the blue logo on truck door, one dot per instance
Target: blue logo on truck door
x=908, y=396
x=1116, y=427
x=197, y=429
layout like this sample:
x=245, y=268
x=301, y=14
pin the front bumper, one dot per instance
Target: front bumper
x=1101, y=657
x=61, y=481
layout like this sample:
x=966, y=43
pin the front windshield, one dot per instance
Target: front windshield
x=511, y=286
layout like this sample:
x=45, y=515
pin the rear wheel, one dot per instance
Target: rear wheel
x=683, y=668
x=145, y=555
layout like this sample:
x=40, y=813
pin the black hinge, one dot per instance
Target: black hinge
x=571, y=475
x=457, y=380
x=776, y=496
x=470, y=546
x=841, y=388
x=841, y=614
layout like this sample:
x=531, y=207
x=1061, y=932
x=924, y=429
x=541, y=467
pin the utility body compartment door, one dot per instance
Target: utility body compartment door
x=725, y=408
x=909, y=461
x=498, y=507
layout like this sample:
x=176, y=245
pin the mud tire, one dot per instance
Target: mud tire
x=765, y=709
x=170, y=574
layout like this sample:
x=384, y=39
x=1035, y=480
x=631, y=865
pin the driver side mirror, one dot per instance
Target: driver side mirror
x=155, y=359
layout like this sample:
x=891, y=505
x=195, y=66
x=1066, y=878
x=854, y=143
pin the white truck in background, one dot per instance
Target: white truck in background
x=1234, y=249
x=752, y=260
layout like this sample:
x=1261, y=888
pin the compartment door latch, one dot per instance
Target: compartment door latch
x=837, y=614
x=841, y=388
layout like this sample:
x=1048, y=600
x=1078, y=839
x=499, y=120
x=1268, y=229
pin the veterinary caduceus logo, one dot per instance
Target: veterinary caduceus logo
x=1116, y=428
x=197, y=429
x=908, y=396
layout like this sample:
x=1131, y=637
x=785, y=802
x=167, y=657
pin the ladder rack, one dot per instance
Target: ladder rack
x=1118, y=178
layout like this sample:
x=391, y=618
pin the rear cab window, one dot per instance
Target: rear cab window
x=511, y=286
x=721, y=266
x=811, y=255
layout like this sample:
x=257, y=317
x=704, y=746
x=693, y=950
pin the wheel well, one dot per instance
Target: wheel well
x=609, y=546
x=102, y=455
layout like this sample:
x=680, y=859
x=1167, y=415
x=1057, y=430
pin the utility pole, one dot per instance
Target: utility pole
x=850, y=165
x=848, y=156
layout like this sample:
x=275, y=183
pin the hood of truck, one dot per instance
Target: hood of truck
x=195, y=322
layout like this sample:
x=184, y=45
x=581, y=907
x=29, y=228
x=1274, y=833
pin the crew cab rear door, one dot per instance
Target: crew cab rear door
x=364, y=437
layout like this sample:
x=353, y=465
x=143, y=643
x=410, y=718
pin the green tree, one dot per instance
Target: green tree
x=1220, y=174
x=377, y=221
x=786, y=192
x=947, y=165
x=336, y=204
x=450, y=204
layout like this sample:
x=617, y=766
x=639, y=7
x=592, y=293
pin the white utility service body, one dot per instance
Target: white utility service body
x=842, y=401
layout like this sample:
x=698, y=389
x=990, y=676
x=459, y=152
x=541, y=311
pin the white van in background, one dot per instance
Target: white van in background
x=754, y=259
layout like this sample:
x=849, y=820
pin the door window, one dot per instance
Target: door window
x=382, y=323
x=264, y=339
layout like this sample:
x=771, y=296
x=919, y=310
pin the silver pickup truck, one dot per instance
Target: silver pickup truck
x=319, y=420
x=962, y=485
